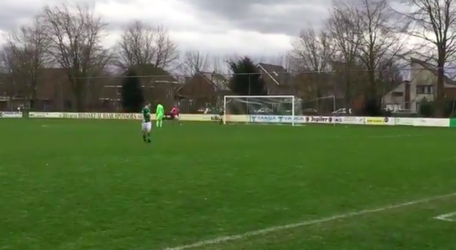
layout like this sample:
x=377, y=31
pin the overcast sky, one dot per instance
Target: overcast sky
x=244, y=27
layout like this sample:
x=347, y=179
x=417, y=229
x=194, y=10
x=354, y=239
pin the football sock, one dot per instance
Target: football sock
x=144, y=137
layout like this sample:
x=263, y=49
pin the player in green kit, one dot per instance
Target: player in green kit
x=159, y=113
x=146, y=123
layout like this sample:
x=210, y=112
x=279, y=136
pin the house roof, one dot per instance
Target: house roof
x=276, y=72
x=156, y=74
x=432, y=69
x=218, y=81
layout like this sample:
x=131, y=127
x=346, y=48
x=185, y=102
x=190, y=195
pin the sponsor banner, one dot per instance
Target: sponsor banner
x=379, y=121
x=404, y=121
x=106, y=116
x=275, y=119
x=197, y=117
x=324, y=119
x=432, y=122
x=453, y=122
x=353, y=120
x=10, y=114
x=45, y=115
x=237, y=118
x=213, y=117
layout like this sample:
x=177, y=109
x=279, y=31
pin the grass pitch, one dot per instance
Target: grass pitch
x=94, y=185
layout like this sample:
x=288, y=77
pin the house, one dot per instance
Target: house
x=277, y=79
x=157, y=85
x=202, y=90
x=54, y=92
x=421, y=87
x=51, y=86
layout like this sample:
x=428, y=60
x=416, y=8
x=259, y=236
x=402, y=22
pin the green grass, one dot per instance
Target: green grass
x=94, y=185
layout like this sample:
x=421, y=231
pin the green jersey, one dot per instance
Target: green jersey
x=160, y=111
x=146, y=114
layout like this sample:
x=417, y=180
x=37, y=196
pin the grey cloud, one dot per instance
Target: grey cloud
x=241, y=15
x=13, y=14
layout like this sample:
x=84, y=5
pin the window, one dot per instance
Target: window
x=424, y=89
x=397, y=94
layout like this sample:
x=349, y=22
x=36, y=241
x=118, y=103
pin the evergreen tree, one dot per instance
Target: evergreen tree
x=132, y=95
x=246, y=78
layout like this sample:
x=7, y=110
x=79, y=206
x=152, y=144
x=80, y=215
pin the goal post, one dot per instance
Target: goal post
x=279, y=109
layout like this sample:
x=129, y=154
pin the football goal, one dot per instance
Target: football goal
x=261, y=109
x=280, y=109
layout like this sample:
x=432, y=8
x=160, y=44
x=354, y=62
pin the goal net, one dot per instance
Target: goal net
x=282, y=110
x=262, y=110
x=324, y=110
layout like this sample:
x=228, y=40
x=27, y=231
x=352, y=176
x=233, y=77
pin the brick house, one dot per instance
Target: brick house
x=53, y=92
x=202, y=90
x=51, y=87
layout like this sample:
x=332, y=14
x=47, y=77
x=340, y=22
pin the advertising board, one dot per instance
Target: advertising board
x=10, y=114
x=197, y=117
x=353, y=120
x=378, y=121
x=399, y=121
x=45, y=115
x=107, y=116
x=324, y=119
x=453, y=122
x=431, y=122
x=276, y=119
x=405, y=121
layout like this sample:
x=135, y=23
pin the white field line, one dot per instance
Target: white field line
x=305, y=223
x=446, y=217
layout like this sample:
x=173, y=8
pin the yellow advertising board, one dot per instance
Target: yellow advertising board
x=377, y=121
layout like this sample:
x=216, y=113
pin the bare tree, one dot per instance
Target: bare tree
x=25, y=55
x=219, y=64
x=285, y=60
x=142, y=44
x=345, y=42
x=434, y=21
x=75, y=35
x=312, y=56
x=193, y=62
x=380, y=43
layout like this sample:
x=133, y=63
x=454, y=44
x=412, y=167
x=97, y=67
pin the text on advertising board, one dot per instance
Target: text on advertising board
x=10, y=115
x=323, y=119
x=377, y=120
x=353, y=120
x=114, y=116
x=276, y=118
